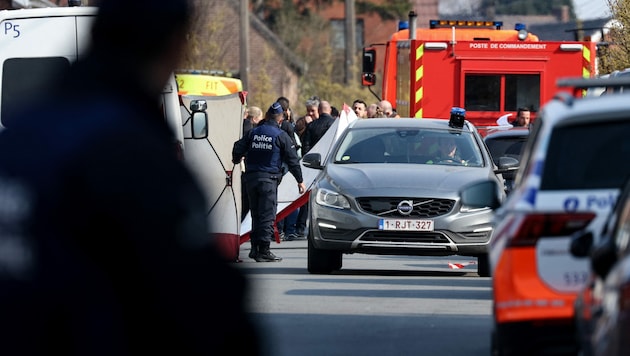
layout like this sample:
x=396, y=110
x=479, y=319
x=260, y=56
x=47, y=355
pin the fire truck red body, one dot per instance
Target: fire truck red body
x=478, y=66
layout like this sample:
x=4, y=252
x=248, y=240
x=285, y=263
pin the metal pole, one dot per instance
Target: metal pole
x=413, y=17
x=351, y=45
x=244, y=44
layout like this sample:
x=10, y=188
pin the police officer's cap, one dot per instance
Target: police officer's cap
x=458, y=115
x=275, y=109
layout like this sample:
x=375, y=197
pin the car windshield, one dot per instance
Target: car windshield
x=412, y=145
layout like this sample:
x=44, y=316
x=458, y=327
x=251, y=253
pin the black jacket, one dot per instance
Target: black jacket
x=277, y=150
x=315, y=130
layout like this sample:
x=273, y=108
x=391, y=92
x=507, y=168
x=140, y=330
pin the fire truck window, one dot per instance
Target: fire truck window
x=482, y=93
x=25, y=79
x=522, y=91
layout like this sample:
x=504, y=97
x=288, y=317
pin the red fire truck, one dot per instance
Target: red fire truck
x=476, y=65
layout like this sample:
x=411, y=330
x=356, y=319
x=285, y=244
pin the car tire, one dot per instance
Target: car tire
x=322, y=261
x=483, y=265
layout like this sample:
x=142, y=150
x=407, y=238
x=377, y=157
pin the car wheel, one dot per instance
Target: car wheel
x=483, y=265
x=322, y=261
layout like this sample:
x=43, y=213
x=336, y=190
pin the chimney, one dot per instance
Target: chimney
x=562, y=14
x=426, y=10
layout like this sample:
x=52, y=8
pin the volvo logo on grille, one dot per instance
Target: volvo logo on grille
x=405, y=207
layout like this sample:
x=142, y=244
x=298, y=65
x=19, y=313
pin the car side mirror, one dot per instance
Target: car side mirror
x=312, y=160
x=368, y=78
x=581, y=244
x=199, y=119
x=507, y=164
x=604, y=257
x=485, y=194
x=199, y=125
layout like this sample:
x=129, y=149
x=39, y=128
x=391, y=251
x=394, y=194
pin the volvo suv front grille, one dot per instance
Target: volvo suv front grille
x=422, y=208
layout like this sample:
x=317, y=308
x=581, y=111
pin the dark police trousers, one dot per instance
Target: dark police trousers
x=262, y=189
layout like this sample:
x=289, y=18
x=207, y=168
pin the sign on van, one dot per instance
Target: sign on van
x=207, y=85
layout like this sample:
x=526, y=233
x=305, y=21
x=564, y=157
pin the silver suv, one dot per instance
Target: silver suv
x=393, y=187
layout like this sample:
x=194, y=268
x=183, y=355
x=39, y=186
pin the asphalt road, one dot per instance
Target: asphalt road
x=376, y=305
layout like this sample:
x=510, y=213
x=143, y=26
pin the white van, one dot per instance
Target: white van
x=206, y=127
x=35, y=45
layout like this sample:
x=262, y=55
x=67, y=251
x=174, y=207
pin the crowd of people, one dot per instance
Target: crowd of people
x=381, y=109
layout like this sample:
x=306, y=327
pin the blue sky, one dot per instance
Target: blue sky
x=591, y=9
x=584, y=9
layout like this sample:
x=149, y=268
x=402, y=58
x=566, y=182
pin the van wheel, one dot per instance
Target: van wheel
x=322, y=261
x=483, y=265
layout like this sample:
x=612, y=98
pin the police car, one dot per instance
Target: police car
x=571, y=172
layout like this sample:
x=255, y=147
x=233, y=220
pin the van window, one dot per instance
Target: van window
x=501, y=92
x=24, y=79
x=593, y=156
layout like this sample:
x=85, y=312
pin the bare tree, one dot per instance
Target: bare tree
x=617, y=55
x=207, y=44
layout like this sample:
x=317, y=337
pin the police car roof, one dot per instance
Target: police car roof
x=588, y=110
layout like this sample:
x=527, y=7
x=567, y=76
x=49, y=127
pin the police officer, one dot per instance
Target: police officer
x=265, y=149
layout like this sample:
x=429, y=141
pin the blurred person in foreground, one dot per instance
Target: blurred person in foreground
x=104, y=247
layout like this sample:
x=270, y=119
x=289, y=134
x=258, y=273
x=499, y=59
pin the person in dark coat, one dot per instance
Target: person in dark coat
x=316, y=129
x=252, y=119
x=104, y=245
x=265, y=150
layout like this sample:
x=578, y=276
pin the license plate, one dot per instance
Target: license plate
x=405, y=225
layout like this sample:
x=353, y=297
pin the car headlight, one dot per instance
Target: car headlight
x=331, y=199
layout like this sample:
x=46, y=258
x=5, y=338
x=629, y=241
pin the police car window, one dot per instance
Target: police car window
x=588, y=157
x=506, y=146
x=23, y=79
x=531, y=142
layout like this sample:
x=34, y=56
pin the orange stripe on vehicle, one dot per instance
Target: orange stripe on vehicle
x=231, y=86
x=520, y=295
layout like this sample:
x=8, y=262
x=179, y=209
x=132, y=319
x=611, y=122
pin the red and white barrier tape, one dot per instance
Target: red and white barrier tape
x=452, y=265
